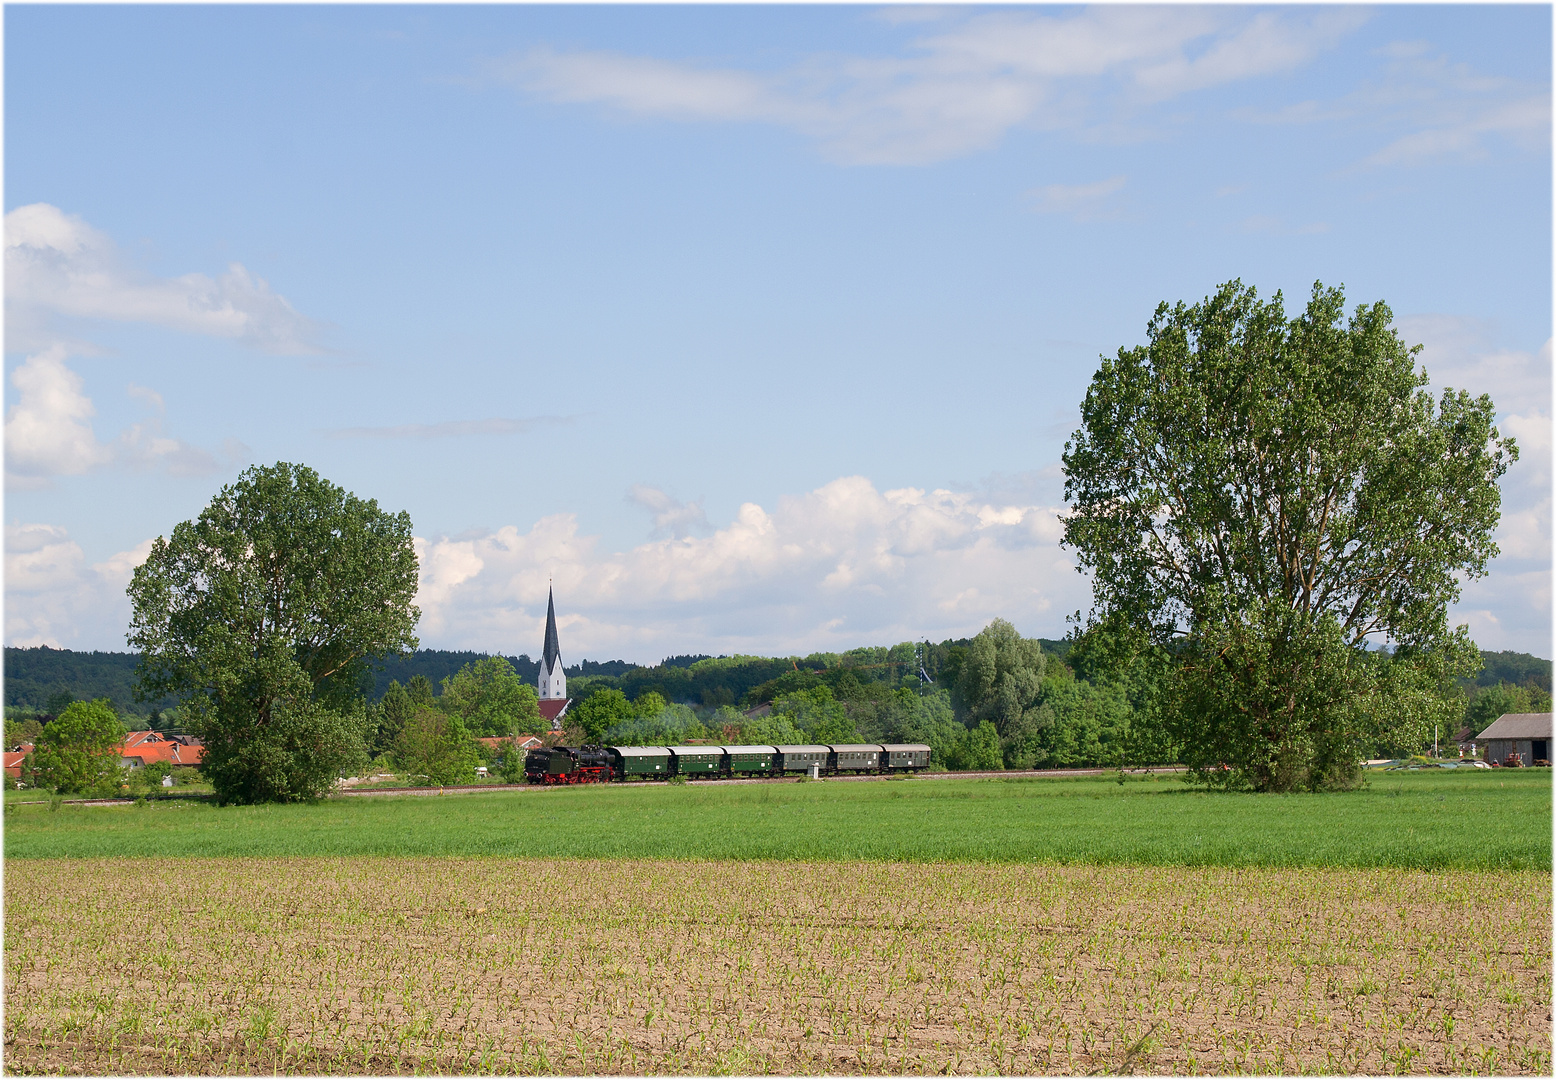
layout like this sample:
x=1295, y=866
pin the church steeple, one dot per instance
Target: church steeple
x=553, y=680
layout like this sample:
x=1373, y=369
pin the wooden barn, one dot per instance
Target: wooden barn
x=1527, y=734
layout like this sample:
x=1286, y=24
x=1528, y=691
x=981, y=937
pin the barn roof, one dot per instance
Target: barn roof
x=1519, y=725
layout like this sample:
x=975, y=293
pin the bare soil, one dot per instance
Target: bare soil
x=552, y=966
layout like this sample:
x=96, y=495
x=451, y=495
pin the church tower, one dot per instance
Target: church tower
x=553, y=680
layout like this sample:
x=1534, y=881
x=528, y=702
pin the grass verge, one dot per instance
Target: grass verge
x=1425, y=820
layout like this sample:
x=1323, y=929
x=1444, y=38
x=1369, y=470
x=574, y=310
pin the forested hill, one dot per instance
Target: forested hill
x=439, y=664
x=1517, y=668
x=35, y=676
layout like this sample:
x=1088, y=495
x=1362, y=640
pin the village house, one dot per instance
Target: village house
x=1527, y=735
x=14, y=758
x=523, y=742
x=145, y=747
x=138, y=749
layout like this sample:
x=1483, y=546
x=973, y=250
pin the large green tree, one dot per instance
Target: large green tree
x=261, y=615
x=436, y=747
x=79, y=750
x=490, y=699
x=1264, y=497
x=599, y=712
x=999, y=680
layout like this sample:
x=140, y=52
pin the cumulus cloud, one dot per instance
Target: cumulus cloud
x=60, y=271
x=1081, y=202
x=836, y=567
x=48, y=431
x=59, y=267
x=55, y=598
x=671, y=516
x=960, y=88
x=1510, y=608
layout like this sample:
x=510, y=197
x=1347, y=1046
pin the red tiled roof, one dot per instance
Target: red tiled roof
x=552, y=708
x=524, y=741
x=148, y=746
x=14, y=759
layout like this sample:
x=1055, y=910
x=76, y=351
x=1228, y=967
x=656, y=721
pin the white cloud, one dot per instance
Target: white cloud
x=1082, y=202
x=48, y=431
x=1265, y=45
x=959, y=89
x=1445, y=109
x=58, y=266
x=1458, y=352
x=1510, y=608
x=1463, y=131
x=836, y=567
x=54, y=597
x=671, y=516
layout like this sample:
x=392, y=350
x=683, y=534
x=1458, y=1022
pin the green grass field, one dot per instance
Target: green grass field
x=1428, y=820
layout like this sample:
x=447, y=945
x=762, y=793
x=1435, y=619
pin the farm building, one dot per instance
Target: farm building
x=1526, y=734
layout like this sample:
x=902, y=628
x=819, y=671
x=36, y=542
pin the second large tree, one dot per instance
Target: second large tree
x=1264, y=497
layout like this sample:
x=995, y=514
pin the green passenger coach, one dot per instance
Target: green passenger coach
x=698, y=760
x=644, y=761
x=752, y=760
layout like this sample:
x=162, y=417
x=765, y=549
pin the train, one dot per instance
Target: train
x=606, y=764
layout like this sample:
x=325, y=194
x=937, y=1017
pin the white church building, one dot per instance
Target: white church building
x=552, y=682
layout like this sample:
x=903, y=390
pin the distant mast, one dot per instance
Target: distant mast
x=553, y=680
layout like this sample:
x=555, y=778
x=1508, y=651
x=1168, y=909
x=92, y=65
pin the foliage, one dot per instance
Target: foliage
x=148, y=778
x=1115, y=656
x=389, y=716
x=78, y=751
x=296, y=754
x=649, y=703
x=1519, y=669
x=490, y=699
x=818, y=714
x=670, y=726
x=978, y=749
x=260, y=615
x=599, y=712
x=1263, y=497
x=510, y=761
x=435, y=746
x=1079, y=723
x=22, y=730
x=999, y=680
x=1492, y=701
x=774, y=729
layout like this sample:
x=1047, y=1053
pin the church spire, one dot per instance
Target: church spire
x=553, y=681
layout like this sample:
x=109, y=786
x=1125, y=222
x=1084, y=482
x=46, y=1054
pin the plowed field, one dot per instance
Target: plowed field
x=392, y=965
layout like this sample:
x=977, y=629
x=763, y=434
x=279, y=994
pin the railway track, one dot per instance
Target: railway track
x=1003, y=774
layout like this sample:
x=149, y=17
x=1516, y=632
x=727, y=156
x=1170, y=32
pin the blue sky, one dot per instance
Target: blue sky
x=757, y=329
